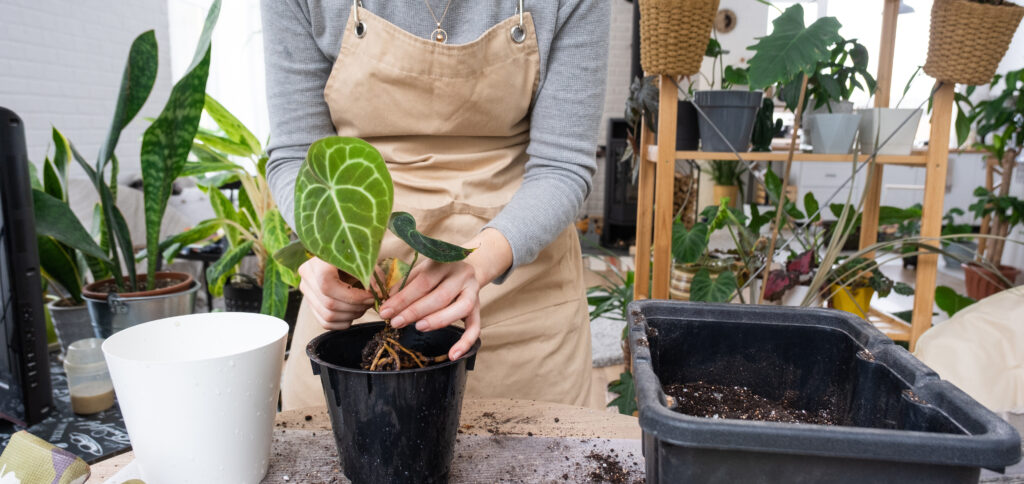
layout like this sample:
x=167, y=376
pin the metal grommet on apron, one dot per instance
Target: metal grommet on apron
x=360, y=27
x=454, y=131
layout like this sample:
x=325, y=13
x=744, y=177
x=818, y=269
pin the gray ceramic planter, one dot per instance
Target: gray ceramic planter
x=834, y=133
x=878, y=124
x=733, y=112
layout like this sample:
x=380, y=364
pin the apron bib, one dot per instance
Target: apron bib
x=453, y=123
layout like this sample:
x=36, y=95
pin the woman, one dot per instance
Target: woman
x=487, y=115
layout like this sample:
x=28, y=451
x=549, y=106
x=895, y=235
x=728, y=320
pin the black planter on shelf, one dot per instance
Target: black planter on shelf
x=897, y=421
x=687, y=130
x=733, y=113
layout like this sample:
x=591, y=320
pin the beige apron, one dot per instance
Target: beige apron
x=453, y=123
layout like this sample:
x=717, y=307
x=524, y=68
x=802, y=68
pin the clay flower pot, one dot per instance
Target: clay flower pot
x=982, y=282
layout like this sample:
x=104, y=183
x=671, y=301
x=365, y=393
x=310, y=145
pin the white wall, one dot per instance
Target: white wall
x=61, y=64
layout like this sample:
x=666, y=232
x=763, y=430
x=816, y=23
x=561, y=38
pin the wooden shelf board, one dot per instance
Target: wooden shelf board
x=893, y=327
x=917, y=158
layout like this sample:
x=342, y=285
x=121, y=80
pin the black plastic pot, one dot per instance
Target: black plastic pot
x=733, y=112
x=687, y=130
x=898, y=421
x=392, y=426
x=244, y=296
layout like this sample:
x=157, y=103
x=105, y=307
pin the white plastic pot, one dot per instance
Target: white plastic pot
x=879, y=123
x=198, y=394
x=838, y=107
x=834, y=133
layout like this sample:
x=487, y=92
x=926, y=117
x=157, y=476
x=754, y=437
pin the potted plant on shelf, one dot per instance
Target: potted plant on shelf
x=365, y=367
x=728, y=178
x=968, y=38
x=829, y=87
x=128, y=298
x=853, y=282
x=64, y=268
x=235, y=156
x=987, y=275
x=729, y=115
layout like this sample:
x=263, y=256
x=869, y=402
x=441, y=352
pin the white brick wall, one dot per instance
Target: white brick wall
x=61, y=64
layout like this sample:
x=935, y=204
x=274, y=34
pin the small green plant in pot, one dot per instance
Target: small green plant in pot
x=987, y=275
x=728, y=178
x=386, y=388
x=128, y=298
x=854, y=281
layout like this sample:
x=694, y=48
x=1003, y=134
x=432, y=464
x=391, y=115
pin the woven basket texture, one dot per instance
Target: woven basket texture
x=968, y=39
x=674, y=35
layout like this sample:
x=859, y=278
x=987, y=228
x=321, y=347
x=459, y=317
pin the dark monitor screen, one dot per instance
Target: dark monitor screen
x=25, y=387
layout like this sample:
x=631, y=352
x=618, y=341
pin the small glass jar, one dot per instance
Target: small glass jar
x=88, y=378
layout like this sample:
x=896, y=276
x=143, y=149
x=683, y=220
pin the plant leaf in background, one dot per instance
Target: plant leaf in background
x=949, y=301
x=136, y=84
x=343, y=199
x=232, y=127
x=55, y=219
x=403, y=225
x=719, y=290
x=217, y=274
x=168, y=140
x=688, y=245
x=626, y=401
x=274, y=238
x=791, y=49
x=57, y=264
x=292, y=255
x=275, y=290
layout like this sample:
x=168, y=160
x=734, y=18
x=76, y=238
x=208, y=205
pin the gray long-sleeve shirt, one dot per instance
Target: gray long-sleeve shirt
x=301, y=41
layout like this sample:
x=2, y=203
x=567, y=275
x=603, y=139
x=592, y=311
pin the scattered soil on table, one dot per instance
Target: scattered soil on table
x=608, y=469
x=719, y=401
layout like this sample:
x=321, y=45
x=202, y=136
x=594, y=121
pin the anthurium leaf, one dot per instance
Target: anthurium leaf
x=720, y=289
x=231, y=126
x=343, y=198
x=292, y=255
x=275, y=290
x=136, y=83
x=54, y=218
x=791, y=49
x=689, y=245
x=395, y=271
x=403, y=225
x=812, y=207
x=168, y=140
x=217, y=274
x=626, y=389
x=276, y=237
x=58, y=264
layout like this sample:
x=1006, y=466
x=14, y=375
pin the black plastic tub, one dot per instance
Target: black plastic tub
x=899, y=421
x=395, y=426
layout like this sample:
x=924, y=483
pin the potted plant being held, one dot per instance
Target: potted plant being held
x=986, y=275
x=64, y=268
x=386, y=388
x=235, y=156
x=129, y=298
x=830, y=122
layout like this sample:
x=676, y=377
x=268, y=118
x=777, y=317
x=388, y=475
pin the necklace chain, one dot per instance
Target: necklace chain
x=439, y=34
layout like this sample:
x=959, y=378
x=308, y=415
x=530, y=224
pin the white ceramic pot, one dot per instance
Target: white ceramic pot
x=834, y=133
x=840, y=107
x=198, y=394
x=879, y=123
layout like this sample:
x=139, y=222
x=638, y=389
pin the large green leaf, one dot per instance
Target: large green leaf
x=170, y=247
x=949, y=301
x=196, y=168
x=403, y=225
x=275, y=289
x=626, y=390
x=58, y=264
x=168, y=140
x=136, y=84
x=791, y=49
x=292, y=255
x=224, y=209
x=343, y=199
x=222, y=144
x=217, y=274
x=707, y=289
x=689, y=245
x=276, y=237
x=231, y=126
x=54, y=218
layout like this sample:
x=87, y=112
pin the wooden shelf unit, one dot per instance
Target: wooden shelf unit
x=655, y=180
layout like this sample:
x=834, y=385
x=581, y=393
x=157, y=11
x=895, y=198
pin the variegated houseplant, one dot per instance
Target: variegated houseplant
x=343, y=201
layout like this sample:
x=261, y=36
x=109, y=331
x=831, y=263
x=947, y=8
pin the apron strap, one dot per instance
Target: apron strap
x=518, y=31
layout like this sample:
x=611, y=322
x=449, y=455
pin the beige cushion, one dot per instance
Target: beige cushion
x=981, y=350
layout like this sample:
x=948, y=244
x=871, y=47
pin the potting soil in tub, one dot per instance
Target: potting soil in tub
x=728, y=401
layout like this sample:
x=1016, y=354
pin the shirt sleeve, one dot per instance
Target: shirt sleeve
x=563, y=133
x=296, y=70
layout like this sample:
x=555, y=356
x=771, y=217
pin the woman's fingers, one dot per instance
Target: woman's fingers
x=458, y=310
x=429, y=297
x=420, y=283
x=469, y=337
x=334, y=302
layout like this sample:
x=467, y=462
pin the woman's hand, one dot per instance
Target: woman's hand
x=335, y=302
x=438, y=295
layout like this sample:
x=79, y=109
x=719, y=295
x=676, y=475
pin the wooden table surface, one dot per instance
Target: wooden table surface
x=479, y=417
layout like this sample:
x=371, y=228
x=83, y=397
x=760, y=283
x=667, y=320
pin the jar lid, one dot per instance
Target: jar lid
x=85, y=352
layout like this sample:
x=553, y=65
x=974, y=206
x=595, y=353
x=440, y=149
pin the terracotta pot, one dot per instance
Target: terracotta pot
x=184, y=281
x=982, y=282
x=721, y=191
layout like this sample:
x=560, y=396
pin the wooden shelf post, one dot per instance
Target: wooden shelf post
x=668, y=104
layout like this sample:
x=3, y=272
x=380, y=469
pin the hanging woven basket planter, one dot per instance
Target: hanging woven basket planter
x=674, y=35
x=968, y=39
